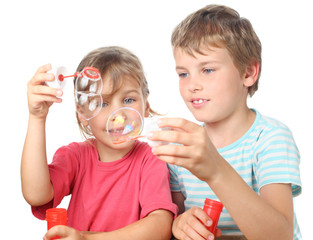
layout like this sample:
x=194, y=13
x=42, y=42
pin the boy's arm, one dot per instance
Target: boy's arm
x=155, y=226
x=36, y=186
x=268, y=216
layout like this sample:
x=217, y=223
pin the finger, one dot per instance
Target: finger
x=59, y=230
x=196, y=230
x=218, y=232
x=41, y=75
x=173, y=150
x=44, y=68
x=179, y=123
x=202, y=216
x=45, y=90
x=170, y=136
x=39, y=99
x=184, y=236
x=41, y=78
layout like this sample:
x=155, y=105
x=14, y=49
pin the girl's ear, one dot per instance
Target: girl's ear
x=251, y=74
x=147, y=112
x=83, y=120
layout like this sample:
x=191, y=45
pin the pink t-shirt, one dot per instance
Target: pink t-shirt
x=108, y=195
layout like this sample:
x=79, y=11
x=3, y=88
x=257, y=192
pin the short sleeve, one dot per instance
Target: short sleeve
x=155, y=188
x=62, y=172
x=174, y=183
x=278, y=160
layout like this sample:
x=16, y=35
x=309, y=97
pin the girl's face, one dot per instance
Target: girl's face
x=129, y=95
x=210, y=84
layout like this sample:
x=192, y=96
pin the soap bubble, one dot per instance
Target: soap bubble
x=124, y=124
x=88, y=105
x=88, y=87
x=89, y=80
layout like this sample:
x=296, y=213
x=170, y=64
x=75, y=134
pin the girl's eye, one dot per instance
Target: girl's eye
x=183, y=75
x=208, y=70
x=104, y=104
x=128, y=100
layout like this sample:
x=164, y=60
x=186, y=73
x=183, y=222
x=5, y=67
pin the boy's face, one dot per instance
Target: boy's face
x=210, y=84
x=129, y=95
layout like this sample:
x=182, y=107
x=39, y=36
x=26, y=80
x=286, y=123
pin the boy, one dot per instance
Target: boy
x=246, y=160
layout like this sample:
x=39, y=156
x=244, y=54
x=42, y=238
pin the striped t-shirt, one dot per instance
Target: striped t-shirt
x=266, y=154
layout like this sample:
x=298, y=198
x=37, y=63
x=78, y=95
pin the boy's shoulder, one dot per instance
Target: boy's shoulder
x=269, y=124
x=269, y=130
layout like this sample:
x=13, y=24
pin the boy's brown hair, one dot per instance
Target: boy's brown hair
x=220, y=26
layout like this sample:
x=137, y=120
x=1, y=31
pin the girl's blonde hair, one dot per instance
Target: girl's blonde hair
x=117, y=64
x=220, y=26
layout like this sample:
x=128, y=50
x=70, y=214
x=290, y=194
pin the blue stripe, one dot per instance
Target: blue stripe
x=266, y=136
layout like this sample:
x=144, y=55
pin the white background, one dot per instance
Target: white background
x=62, y=32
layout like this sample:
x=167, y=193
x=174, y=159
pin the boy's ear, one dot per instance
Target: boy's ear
x=147, y=112
x=251, y=74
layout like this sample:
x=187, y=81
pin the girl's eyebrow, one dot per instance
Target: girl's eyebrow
x=107, y=96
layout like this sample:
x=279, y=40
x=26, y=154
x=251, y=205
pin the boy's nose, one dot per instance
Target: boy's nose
x=195, y=84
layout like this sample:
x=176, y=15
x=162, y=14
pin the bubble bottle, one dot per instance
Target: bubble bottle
x=213, y=209
x=56, y=216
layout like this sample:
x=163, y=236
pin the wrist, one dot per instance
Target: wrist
x=36, y=118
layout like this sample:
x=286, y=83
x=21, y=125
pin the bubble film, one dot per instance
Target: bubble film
x=88, y=104
x=88, y=87
x=124, y=124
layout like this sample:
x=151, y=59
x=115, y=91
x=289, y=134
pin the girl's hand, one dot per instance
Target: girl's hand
x=64, y=232
x=191, y=225
x=194, y=150
x=40, y=96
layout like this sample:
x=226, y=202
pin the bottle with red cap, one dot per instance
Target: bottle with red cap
x=56, y=216
x=213, y=209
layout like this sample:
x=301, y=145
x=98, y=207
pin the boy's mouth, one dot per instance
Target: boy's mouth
x=199, y=102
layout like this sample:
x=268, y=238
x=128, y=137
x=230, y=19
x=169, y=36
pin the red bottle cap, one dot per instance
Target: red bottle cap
x=56, y=216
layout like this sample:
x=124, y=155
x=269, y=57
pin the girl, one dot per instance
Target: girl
x=120, y=191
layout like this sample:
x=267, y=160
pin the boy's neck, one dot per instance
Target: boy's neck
x=226, y=132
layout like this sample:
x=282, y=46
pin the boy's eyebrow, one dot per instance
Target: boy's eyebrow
x=201, y=64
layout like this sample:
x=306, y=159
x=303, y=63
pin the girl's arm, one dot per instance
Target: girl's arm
x=36, y=185
x=155, y=226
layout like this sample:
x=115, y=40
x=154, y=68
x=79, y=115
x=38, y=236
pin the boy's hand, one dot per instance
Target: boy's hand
x=190, y=225
x=40, y=97
x=64, y=232
x=195, y=151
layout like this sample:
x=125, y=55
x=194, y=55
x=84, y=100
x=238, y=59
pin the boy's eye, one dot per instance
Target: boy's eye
x=208, y=70
x=128, y=100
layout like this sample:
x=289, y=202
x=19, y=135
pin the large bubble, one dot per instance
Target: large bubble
x=88, y=87
x=124, y=124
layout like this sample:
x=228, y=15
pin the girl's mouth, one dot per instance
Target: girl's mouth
x=116, y=131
